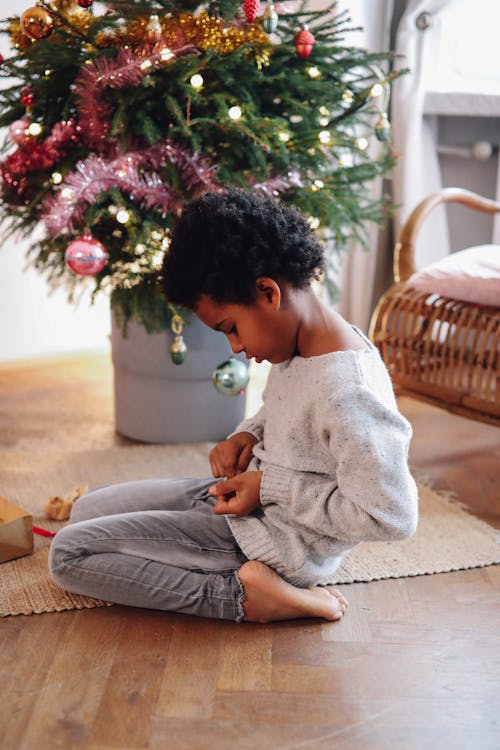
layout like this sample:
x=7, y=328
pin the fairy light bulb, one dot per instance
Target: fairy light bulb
x=376, y=90
x=235, y=112
x=166, y=54
x=324, y=136
x=313, y=222
x=34, y=128
x=146, y=65
x=67, y=193
x=319, y=184
x=324, y=111
x=323, y=121
x=122, y=216
x=196, y=81
x=284, y=136
x=362, y=143
x=314, y=72
x=56, y=178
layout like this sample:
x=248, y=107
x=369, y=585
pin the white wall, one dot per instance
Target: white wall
x=33, y=322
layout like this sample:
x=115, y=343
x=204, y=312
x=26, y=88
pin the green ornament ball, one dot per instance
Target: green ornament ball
x=231, y=377
x=178, y=350
x=383, y=129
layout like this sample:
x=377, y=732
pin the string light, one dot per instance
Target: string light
x=67, y=193
x=324, y=111
x=313, y=222
x=196, y=81
x=324, y=136
x=122, y=216
x=235, y=112
x=376, y=90
x=323, y=121
x=34, y=128
x=56, y=178
x=362, y=143
x=314, y=72
x=166, y=54
x=284, y=136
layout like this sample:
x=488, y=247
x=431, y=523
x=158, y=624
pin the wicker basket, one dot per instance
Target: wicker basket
x=442, y=350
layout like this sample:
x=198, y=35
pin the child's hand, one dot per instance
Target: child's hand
x=232, y=456
x=239, y=495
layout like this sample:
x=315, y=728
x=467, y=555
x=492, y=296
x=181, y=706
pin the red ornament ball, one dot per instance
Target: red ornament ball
x=86, y=256
x=304, y=42
x=27, y=96
x=85, y=3
x=251, y=8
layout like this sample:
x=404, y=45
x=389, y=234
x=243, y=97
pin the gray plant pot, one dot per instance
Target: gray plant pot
x=157, y=401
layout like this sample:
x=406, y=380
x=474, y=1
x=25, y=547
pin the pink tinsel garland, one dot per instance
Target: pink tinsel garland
x=134, y=174
x=126, y=69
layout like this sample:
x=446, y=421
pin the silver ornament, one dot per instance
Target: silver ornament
x=231, y=377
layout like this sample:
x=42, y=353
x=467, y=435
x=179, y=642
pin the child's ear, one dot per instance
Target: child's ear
x=269, y=291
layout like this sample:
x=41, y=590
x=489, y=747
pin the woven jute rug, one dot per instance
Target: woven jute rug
x=448, y=537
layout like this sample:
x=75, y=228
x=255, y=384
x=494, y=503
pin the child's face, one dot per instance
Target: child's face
x=262, y=329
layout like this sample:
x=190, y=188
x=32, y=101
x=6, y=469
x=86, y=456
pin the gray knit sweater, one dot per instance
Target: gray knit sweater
x=333, y=449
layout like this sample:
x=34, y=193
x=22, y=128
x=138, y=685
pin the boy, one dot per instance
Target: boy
x=321, y=467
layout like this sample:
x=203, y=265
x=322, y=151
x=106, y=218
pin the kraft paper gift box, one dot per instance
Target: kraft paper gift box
x=16, y=531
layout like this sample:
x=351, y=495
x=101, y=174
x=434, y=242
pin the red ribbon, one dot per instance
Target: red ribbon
x=43, y=532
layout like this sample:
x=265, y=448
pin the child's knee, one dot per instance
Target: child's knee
x=63, y=549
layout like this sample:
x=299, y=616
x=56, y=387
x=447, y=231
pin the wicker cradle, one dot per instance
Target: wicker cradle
x=438, y=349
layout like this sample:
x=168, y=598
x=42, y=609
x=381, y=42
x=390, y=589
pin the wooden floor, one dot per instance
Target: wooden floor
x=415, y=665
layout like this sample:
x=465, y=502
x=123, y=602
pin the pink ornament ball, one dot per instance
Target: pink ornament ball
x=86, y=256
x=85, y=3
x=17, y=131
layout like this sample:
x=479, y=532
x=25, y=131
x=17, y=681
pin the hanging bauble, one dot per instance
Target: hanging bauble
x=304, y=42
x=251, y=8
x=177, y=348
x=27, y=96
x=85, y=3
x=153, y=29
x=383, y=128
x=18, y=131
x=270, y=19
x=86, y=256
x=37, y=23
x=230, y=377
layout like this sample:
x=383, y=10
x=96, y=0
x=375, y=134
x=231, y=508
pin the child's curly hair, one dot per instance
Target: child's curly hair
x=224, y=241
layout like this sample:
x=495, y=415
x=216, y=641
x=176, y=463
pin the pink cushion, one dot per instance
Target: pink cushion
x=472, y=275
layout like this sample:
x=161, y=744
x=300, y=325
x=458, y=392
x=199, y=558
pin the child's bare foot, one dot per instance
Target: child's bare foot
x=268, y=597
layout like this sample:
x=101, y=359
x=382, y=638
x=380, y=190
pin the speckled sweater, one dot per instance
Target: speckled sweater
x=333, y=449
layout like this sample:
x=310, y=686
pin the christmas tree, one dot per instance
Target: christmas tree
x=120, y=112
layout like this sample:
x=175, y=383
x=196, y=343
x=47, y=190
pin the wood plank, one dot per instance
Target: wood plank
x=245, y=662
x=189, y=680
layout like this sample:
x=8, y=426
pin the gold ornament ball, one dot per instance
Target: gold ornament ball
x=37, y=23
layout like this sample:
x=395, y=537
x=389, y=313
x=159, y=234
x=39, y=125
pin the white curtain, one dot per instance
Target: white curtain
x=417, y=173
x=358, y=271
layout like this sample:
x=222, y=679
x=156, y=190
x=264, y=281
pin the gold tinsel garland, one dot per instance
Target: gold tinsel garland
x=202, y=31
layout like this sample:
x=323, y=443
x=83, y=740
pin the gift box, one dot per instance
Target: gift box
x=16, y=531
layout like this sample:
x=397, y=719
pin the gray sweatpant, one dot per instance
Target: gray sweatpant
x=152, y=543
